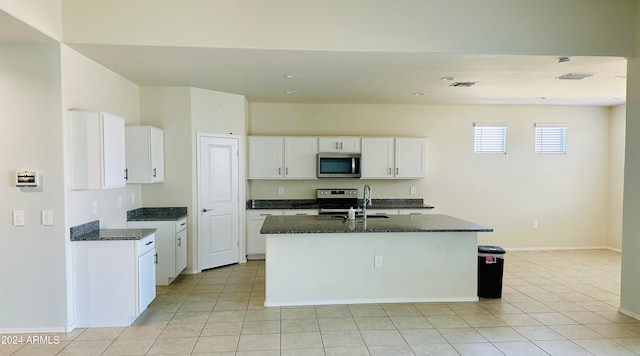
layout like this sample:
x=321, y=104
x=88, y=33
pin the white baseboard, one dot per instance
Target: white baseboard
x=370, y=301
x=560, y=248
x=628, y=313
x=57, y=329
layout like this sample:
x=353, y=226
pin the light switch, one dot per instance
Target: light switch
x=280, y=190
x=47, y=217
x=18, y=217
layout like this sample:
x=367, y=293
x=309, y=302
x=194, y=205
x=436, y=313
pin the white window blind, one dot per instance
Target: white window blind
x=551, y=138
x=490, y=137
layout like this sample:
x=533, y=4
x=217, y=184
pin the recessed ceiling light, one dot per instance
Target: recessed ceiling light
x=616, y=99
x=290, y=91
x=292, y=76
x=447, y=78
x=463, y=84
x=418, y=94
x=564, y=59
x=574, y=76
x=542, y=98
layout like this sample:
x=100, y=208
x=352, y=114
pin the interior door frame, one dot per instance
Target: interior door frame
x=242, y=257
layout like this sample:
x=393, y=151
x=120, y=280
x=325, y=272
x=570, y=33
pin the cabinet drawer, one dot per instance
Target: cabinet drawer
x=146, y=244
x=181, y=224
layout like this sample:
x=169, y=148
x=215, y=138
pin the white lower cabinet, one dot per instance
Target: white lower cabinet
x=114, y=281
x=256, y=247
x=171, y=247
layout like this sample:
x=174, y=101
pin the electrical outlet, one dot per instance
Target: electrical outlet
x=534, y=225
x=94, y=207
x=280, y=190
x=119, y=201
x=412, y=190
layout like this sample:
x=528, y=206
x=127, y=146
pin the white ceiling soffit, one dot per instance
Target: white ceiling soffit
x=13, y=30
x=367, y=77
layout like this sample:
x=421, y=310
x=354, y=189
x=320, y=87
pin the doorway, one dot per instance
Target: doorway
x=218, y=200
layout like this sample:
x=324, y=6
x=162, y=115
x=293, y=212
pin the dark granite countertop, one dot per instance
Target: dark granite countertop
x=91, y=231
x=157, y=214
x=394, y=223
x=311, y=204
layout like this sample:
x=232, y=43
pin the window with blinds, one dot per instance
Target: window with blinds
x=490, y=137
x=551, y=138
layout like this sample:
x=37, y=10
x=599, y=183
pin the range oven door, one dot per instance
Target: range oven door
x=338, y=165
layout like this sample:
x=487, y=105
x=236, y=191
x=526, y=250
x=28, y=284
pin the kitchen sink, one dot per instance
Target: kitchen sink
x=344, y=217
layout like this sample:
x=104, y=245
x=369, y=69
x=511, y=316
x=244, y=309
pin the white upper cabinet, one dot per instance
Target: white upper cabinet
x=266, y=157
x=145, y=154
x=377, y=157
x=276, y=157
x=97, y=150
x=339, y=144
x=410, y=158
x=400, y=158
x=300, y=157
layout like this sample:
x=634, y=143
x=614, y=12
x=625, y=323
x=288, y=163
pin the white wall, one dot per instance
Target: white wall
x=182, y=112
x=566, y=194
x=469, y=26
x=90, y=86
x=616, y=175
x=32, y=256
x=42, y=15
x=630, y=281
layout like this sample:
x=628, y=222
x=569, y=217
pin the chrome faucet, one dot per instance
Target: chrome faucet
x=366, y=199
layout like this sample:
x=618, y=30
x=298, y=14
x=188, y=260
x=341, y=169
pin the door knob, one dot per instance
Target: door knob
x=204, y=210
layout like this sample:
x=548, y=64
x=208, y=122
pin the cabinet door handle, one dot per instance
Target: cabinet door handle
x=286, y=171
x=154, y=173
x=183, y=224
x=126, y=174
x=204, y=210
x=337, y=145
x=389, y=171
x=148, y=243
x=340, y=146
x=155, y=258
x=279, y=170
x=397, y=170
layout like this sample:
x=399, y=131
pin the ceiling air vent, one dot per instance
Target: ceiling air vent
x=574, y=76
x=463, y=84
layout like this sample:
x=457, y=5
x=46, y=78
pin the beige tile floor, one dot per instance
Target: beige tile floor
x=553, y=303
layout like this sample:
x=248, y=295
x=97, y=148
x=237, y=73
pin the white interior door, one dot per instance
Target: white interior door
x=218, y=183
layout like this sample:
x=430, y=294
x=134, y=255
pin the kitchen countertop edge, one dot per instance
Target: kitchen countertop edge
x=115, y=235
x=275, y=225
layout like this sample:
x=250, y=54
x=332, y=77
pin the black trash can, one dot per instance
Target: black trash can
x=490, y=270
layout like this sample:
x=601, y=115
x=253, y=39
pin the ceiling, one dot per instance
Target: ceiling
x=356, y=77
x=369, y=77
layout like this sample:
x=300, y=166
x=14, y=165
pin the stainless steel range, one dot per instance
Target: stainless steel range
x=336, y=201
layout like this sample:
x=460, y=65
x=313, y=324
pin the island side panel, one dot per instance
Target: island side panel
x=317, y=269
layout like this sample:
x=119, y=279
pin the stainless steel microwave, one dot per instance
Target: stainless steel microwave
x=338, y=165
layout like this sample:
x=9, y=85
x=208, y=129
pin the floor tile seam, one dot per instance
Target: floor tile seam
x=531, y=342
x=569, y=340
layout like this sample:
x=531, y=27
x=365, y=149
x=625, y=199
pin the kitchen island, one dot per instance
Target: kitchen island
x=315, y=260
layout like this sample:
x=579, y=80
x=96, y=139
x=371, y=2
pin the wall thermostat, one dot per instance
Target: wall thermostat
x=27, y=179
